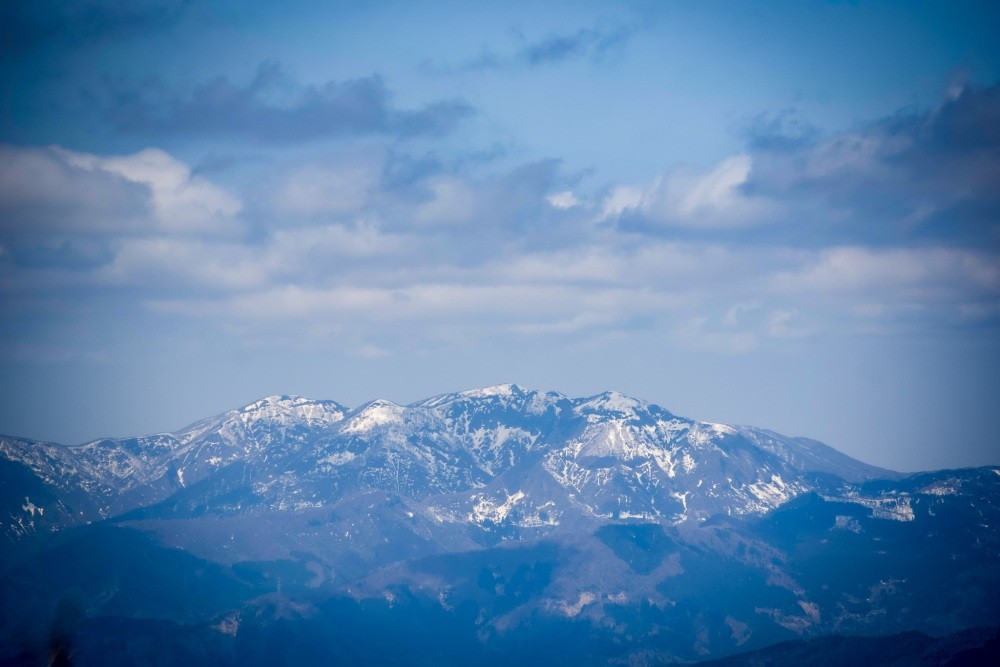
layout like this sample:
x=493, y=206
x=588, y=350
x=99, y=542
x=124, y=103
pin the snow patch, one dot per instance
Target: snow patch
x=493, y=390
x=723, y=429
x=575, y=608
x=375, y=414
x=490, y=510
x=943, y=488
x=338, y=458
x=612, y=401
x=843, y=522
x=894, y=508
x=31, y=507
x=772, y=494
x=683, y=497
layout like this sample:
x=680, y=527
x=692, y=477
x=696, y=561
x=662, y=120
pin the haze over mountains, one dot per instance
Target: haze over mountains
x=496, y=515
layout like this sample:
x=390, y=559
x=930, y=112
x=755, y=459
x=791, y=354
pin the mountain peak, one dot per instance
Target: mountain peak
x=380, y=412
x=284, y=400
x=495, y=390
x=612, y=401
x=288, y=408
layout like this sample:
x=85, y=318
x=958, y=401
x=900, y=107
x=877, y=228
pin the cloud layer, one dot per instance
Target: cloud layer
x=912, y=176
x=348, y=256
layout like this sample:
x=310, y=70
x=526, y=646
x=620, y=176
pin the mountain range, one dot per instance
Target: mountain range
x=498, y=519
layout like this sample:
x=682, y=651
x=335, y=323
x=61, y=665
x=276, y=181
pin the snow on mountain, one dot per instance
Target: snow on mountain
x=109, y=476
x=519, y=507
x=491, y=457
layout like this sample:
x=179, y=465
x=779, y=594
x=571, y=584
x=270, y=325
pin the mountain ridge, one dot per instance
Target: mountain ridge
x=503, y=509
x=606, y=455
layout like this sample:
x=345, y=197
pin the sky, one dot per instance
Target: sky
x=784, y=214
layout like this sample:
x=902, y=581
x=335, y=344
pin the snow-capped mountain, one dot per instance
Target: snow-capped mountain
x=109, y=476
x=501, y=454
x=499, y=510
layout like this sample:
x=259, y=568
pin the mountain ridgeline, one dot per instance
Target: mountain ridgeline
x=483, y=526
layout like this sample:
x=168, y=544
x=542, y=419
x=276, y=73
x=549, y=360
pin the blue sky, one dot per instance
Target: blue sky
x=783, y=213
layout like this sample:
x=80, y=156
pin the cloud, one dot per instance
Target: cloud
x=378, y=251
x=423, y=309
x=780, y=324
x=452, y=202
x=783, y=131
x=587, y=42
x=179, y=200
x=274, y=107
x=737, y=311
x=46, y=191
x=926, y=176
x=916, y=271
x=71, y=219
x=325, y=190
x=303, y=256
x=43, y=192
x=916, y=174
x=186, y=265
x=686, y=196
x=621, y=199
x=563, y=200
x=307, y=248
x=494, y=207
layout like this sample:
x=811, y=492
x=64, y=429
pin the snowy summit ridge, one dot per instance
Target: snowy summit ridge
x=535, y=454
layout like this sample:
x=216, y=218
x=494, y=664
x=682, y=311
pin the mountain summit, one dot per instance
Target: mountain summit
x=599, y=456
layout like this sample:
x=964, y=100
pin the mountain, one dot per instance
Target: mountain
x=596, y=457
x=974, y=647
x=505, y=511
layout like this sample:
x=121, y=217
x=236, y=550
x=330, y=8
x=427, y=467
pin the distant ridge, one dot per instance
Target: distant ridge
x=970, y=648
x=463, y=442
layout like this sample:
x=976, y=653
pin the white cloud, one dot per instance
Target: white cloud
x=181, y=202
x=621, y=199
x=715, y=191
x=377, y=281
x=689, y=197
x=303, y=255
x=182, y=264
x=735, y=312
x=423, y=307
x=915, y=271
x=292, y=250
x=324, y=190
x=563, y=200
